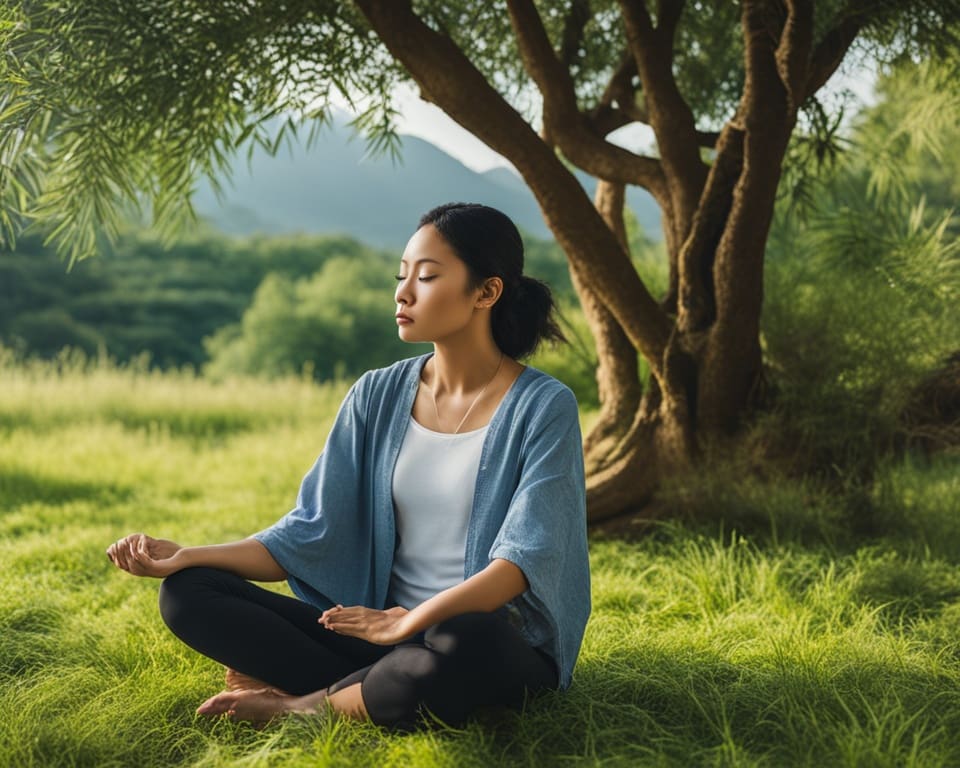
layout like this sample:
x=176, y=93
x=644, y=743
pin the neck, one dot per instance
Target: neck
x=461, y=368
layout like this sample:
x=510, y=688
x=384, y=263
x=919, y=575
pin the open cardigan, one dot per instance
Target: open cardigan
x=529, y=506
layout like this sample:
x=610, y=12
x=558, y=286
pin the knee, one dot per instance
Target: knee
x=179, y=593
x=397, y=687
x=466, y=635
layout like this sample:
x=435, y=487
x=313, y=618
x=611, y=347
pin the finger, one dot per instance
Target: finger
x=349, y=614
x=336, y=621
x=351, y=626
x=120, y=553
x=330, y=612
x=140, y=552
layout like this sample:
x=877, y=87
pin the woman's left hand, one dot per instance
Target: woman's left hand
x=387, y=627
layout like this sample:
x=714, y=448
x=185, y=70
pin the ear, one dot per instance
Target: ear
x=490, y=292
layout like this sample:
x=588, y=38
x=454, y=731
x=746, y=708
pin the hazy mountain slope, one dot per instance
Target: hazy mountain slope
x=335, y=187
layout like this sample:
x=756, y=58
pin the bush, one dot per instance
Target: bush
x=337, y=323
x=860, y=307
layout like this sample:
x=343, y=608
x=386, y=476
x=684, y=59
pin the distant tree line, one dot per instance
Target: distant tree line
x=263, y=306
x=140, y=297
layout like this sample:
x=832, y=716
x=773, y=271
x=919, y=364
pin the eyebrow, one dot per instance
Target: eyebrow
x=420, y=261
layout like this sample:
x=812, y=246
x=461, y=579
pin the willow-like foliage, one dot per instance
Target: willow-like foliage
x=110, y=106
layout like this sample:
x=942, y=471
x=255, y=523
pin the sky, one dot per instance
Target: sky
x=429, y=122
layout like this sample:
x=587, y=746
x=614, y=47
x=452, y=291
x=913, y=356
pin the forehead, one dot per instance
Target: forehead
x=427, y=245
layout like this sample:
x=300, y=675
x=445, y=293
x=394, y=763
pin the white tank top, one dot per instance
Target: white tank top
x=433, y=485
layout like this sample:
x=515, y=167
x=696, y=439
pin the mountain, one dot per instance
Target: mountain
x=335, y=186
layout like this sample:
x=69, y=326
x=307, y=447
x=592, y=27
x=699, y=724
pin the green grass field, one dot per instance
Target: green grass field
x=702, y=649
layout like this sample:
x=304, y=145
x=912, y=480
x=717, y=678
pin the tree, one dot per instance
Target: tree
x=314, y=322
x=104, y=102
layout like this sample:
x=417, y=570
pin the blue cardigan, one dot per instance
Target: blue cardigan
x=529, y=506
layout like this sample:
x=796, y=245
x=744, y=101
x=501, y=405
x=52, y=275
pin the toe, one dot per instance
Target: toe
x=215, y=704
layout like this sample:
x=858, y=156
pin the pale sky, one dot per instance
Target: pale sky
x=422, y=119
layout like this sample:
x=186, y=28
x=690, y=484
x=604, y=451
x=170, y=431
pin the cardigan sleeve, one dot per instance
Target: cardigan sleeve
x=323, y=543
x=544, y=532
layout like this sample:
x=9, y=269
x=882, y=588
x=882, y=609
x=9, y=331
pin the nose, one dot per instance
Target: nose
x=403, y=294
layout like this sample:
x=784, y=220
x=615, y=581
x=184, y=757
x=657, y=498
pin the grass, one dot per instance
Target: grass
x=704, y=648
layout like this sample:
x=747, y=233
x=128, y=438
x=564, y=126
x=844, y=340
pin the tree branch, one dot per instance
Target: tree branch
x=767, y=121
x=573, y=27
x=670, y=116
x=696, y=306
x=617, y=106
x=764, y=91
x=668, y=16
x=793, y=52
x=442, y=70
x=829, y=52
x=708, y=138
x=564, y=124
x=618, y=383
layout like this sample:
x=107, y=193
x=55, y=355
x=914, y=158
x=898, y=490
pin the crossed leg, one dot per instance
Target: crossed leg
x=282, y=660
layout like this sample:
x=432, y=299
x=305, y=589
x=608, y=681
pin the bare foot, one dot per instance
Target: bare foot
x=237, y=681
x=256, y=705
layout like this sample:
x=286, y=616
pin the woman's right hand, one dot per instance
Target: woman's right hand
x=142, y=555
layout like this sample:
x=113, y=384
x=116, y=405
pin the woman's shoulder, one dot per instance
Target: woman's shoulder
x=539, y=399
x=378, y=381
x=539, y=386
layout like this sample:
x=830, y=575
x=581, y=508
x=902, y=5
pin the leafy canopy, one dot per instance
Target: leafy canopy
x=109, y=106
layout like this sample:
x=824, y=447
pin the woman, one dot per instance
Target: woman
x=438, y=545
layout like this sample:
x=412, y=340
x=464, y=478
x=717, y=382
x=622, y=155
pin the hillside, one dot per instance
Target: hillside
x=336, y=187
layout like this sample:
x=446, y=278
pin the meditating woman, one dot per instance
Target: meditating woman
x=437, y=549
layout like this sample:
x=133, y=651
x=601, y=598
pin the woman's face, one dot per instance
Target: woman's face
x=433, y=302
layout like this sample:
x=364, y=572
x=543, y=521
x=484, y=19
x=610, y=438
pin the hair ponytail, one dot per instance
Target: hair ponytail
x=524, y=317
x=488, y=242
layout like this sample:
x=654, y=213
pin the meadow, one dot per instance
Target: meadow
x=707, y=645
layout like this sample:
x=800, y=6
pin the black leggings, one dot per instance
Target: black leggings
x=466, y=662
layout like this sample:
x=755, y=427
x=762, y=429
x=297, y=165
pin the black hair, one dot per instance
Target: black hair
x=488, y=242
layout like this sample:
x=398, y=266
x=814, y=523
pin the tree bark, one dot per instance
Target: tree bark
x=702, y=339
x=732, y=358
x=618, y=382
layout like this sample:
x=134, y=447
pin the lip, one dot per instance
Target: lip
x=402, y=319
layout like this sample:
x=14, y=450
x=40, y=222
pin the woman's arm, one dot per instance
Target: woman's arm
x=142, y=555
x=494, y=586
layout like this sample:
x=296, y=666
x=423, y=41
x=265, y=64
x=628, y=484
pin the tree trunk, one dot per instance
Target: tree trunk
x=701, y=340
x=618, y=382
x=639, y=435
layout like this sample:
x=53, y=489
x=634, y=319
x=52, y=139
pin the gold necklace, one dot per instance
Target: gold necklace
x=433, y=396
